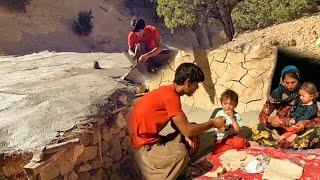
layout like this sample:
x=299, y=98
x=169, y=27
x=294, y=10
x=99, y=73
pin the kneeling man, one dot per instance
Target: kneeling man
x=166, y=157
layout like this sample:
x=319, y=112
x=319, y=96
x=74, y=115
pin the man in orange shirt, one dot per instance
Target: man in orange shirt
x=145, y=45
x=166, y=157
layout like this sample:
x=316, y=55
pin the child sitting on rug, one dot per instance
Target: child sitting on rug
x=229, y=138
x=304, y=108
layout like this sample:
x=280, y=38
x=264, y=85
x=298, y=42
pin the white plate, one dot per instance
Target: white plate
x=246, y=167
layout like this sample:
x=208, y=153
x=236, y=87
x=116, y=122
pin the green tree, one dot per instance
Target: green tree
x=190, y=12
x=252, y=14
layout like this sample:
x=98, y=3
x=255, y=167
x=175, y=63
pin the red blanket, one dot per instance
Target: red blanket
x=308, y=159
x=234, y=142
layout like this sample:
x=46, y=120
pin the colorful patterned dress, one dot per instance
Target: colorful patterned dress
x=283, y=101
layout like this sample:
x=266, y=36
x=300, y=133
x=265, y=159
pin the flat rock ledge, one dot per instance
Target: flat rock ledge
x=62, y=119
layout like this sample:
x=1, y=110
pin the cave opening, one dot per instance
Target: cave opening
x=309, y=69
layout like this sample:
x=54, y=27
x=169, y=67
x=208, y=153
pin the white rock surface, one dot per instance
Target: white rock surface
x=47, y=92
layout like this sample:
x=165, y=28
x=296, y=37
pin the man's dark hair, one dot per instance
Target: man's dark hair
x=137, y=24
x=188, y=71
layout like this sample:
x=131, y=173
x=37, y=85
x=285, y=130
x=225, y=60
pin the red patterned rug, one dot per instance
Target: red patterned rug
x=308, y=159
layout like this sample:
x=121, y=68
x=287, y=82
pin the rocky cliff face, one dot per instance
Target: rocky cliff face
x=247, y=70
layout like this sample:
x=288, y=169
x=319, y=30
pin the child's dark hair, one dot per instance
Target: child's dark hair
x=230, y=94
x=188, y=71
x=310, y=88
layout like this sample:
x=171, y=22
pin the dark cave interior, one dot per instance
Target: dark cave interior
x=309, y=69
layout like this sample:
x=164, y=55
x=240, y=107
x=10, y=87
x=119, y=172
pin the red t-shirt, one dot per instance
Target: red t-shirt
x=152, y=113
x=150, y=38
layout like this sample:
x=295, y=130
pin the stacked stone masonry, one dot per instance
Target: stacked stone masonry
x=248, y=70
x=96, y=148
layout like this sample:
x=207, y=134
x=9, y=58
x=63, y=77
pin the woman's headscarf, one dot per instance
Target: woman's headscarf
x=281, y=95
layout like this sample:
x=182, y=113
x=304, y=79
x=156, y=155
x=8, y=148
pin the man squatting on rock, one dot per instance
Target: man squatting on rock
x=145, y=45
x=165, y=157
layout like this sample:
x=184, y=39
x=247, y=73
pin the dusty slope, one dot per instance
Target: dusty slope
x=47, y=26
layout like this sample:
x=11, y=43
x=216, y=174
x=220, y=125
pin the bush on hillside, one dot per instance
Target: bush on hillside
x=19, y=5
x=84, y=25
x=252, y=14
x=192, y=13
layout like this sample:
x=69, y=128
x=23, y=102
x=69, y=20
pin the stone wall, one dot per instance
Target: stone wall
x=246, y=69
x=95, y=148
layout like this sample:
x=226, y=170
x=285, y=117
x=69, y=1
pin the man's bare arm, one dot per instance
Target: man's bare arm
x=189, y=129
x=154, y=51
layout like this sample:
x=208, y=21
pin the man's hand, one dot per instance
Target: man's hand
x=230, y=113
x=144, y=58
x=219, y=122
x=135, y=58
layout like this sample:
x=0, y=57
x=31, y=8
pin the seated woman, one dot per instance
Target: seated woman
x=282, y=100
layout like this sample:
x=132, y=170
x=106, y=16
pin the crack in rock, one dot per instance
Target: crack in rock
x=238, y=81
x=224, y=59
x=171, y=68
x=254, y=100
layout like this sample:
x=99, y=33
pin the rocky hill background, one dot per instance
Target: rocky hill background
x=47, y=25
